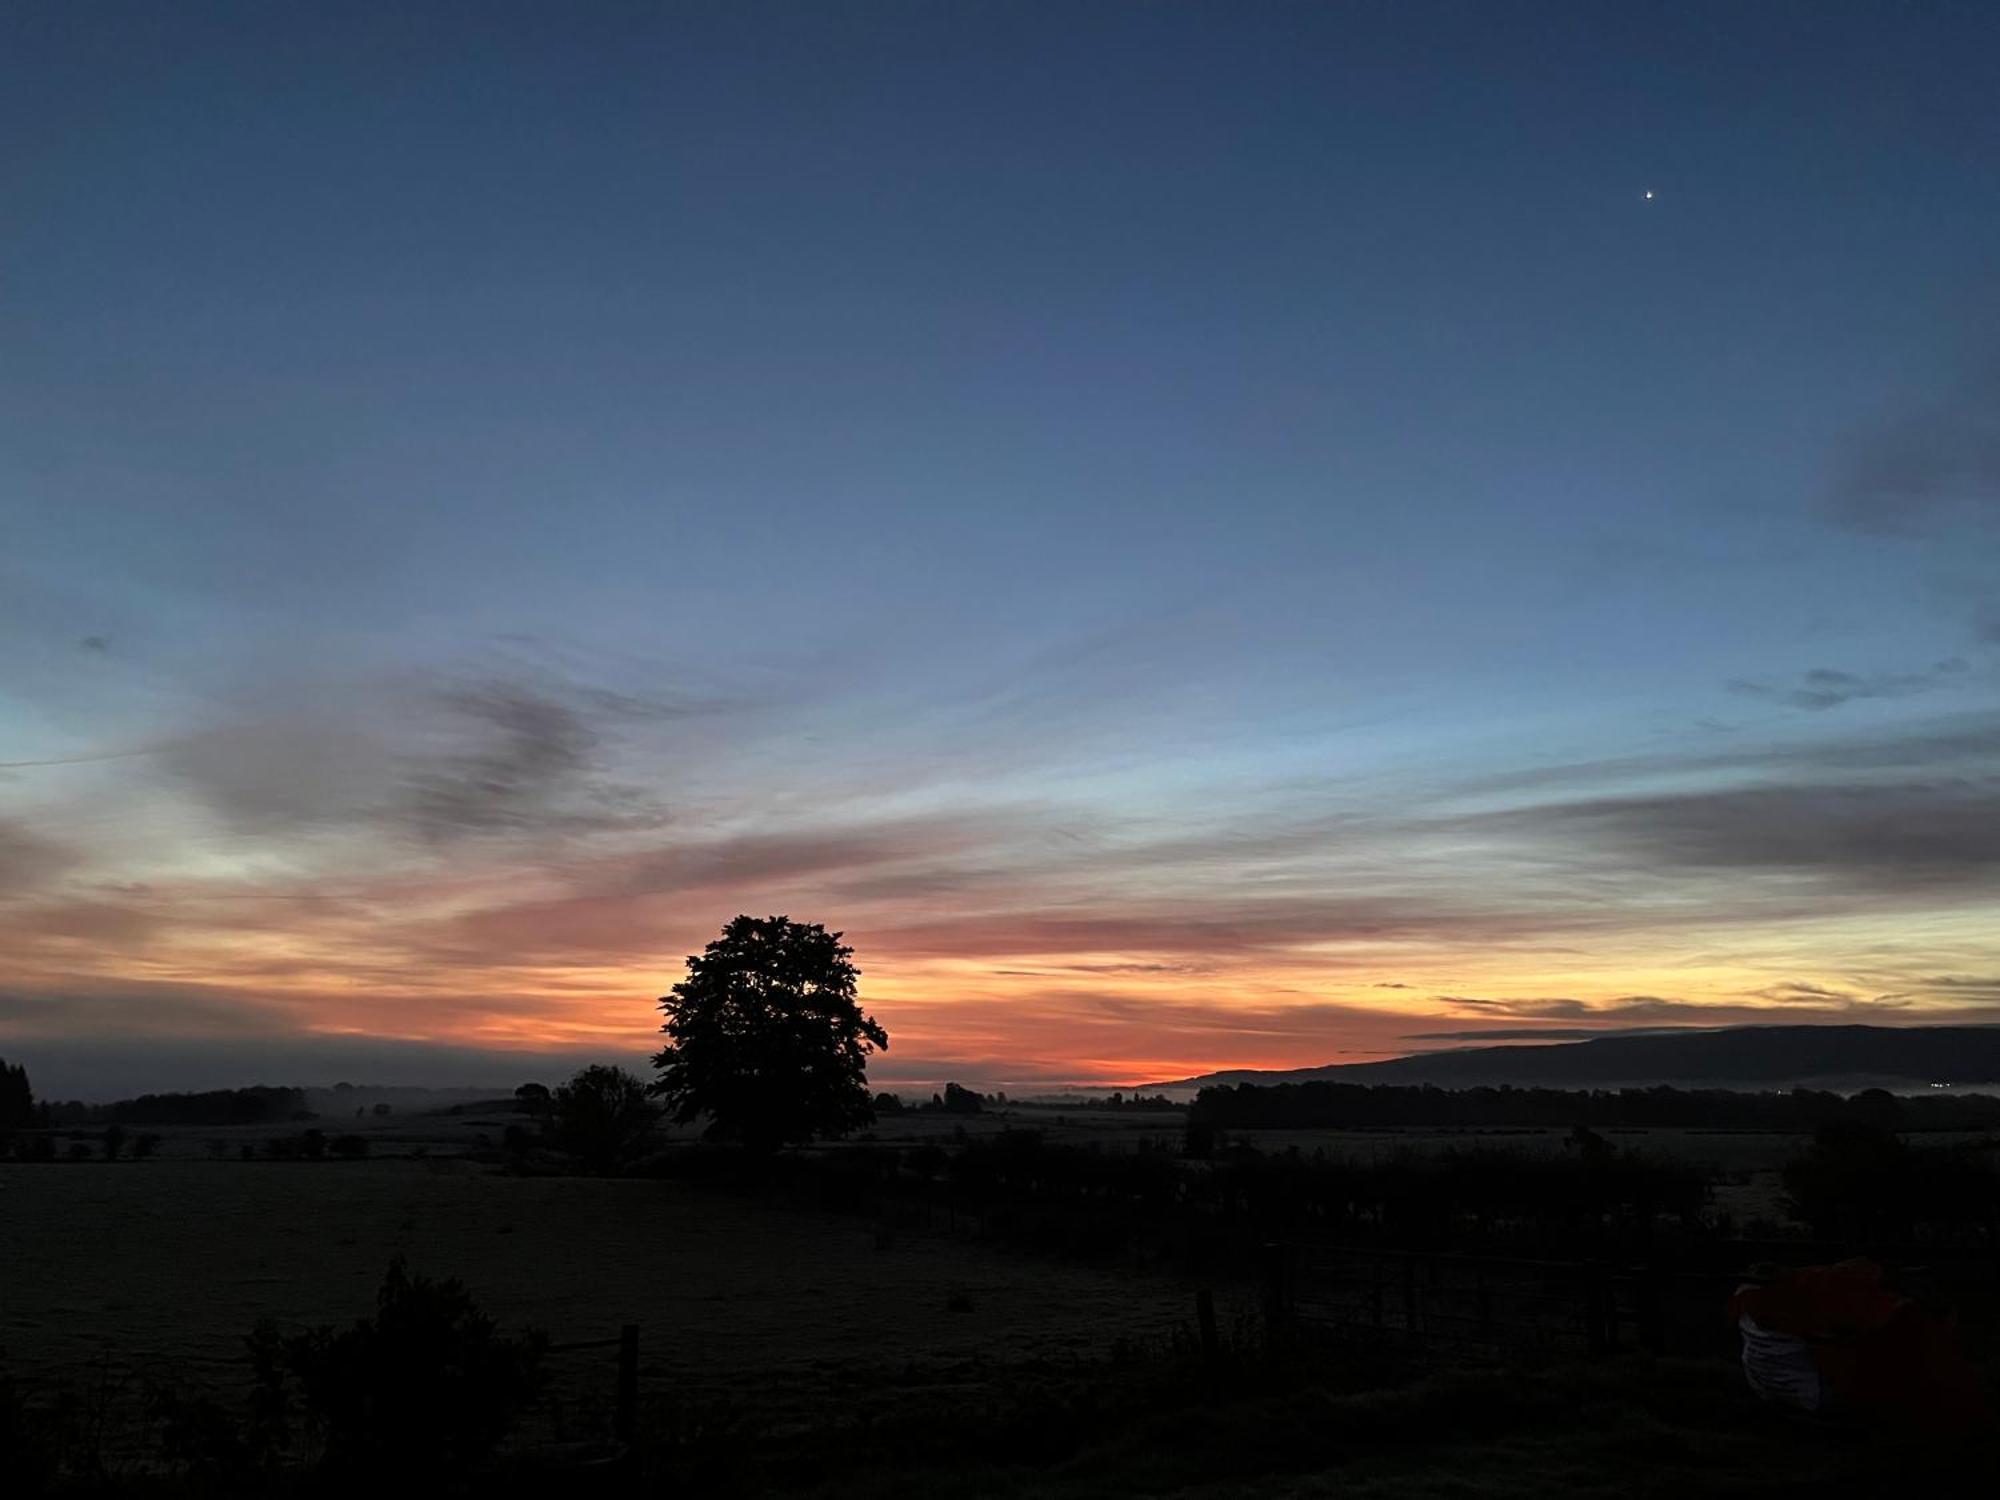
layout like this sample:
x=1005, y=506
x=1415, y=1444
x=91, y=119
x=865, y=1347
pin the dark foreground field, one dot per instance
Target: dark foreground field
x=159, y=1268
x=786, y=1348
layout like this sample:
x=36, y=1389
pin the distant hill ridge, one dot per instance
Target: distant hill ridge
x=1754, y=1056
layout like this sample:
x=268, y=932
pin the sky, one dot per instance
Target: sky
x=1197, y=535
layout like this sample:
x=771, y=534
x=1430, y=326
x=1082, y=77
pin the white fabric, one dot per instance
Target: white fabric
x=1779, y=1366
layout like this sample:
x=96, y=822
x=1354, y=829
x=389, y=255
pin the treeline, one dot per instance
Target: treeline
x=260, y=1105
x=1143, y=1103
x=1298, y=1106
x=1018, y=1185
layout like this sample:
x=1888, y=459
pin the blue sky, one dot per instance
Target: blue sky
x=991, y=476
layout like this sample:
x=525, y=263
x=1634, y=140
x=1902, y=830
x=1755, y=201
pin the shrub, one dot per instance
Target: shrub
x=27, y=1446
x=417, y=1395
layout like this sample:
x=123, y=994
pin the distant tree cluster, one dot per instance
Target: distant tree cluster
x=601, y=1117
x=1317, y=1105
x=17, y=1100
x=1862, y=1183
x=251, y=1106
x=1149, y=1103
x=959, y=1100
x=954, y=1099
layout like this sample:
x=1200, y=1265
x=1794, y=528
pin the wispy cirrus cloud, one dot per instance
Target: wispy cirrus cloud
x=1485, y=1034
x=468, y=760
x=1916, y=468
x=1822, y=688
x=1890, y=839
x=28, y=859
x=504, y=858
x=1563, y=1008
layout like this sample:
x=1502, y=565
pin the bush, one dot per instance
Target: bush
x=418, y=1395
x=27, y=1448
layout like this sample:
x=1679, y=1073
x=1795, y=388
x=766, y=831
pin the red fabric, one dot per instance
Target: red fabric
x=1880, y=1353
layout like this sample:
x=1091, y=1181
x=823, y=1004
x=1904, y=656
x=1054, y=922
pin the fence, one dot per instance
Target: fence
x=1473, y=1304
x=576, y=1404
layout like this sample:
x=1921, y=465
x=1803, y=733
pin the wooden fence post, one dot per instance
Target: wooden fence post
x=1277, y=1298
x=1204, y=1317
x=1596, y=1310
x=625, y=1413
x=1650, y=1309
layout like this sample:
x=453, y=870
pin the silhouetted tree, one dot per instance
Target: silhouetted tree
x=532, y=1098
x=1853, y=1182
x=766, y=1036
x=1859, y=1182
x=601, y=1116
x=1878, y=1108
x=1589, y=1145
x=960, y=1100
x=17, y=1100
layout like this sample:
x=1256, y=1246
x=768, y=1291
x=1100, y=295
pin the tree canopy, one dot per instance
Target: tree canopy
x=601, y=1116
x=766, y=1036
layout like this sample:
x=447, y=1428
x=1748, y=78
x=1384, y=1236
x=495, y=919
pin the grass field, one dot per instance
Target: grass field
x=775, y=1333
x=160, y=1267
